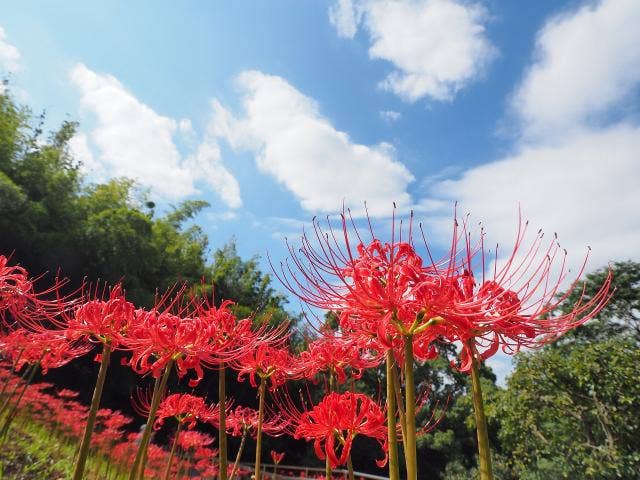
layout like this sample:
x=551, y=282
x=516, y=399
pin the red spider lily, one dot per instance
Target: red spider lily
x=266, y=361
x=21, y=301
x=16, y=290
x=157, y=338
x=336, y=353
x=67, y=394
x=186, y=409
x=50, y=349
x=375, y=288
x=277, y=457
x=231, y=337
x=196, y=336
x=513, y=308
x=192, y=439
x=100, y=320
x=334, y=423
x=113, y=419
x=245, y=419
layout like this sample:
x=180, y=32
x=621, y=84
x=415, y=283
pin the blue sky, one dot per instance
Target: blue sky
x=278, y=111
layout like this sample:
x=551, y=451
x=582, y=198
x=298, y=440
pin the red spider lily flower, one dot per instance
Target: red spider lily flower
x=196, y=336
x=21, y=301
x=334, y=423
x=516, y=306
x=16, y=290
x=67, y=394
x=113, y=420
x=335, y=353
x=374, y=287
x=50, y=349
x=276, y=457
x=192, y=439
x=156, y=338
x=245, y=419
x=383, y=290
x=186, y=409
x=99, y=320
x=266, y=361
x=228, y=335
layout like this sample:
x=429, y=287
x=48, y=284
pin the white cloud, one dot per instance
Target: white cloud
x=133, y=140
x=345, y=16
x=390, y=115
x=574, y=171
x=207, y=162
x=436, y=46
x=587, y=61
x=81, y=151
x=9, y=54
x=570, y=175
x=300, y=148
x=584, y=188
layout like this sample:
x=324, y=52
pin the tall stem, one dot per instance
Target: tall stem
x=12, y=413
x=239, y=454
x=11, y=372
x=350, y=467
x=398, y=389
x=27, y=372
x=410, y=450
x=167, y=471
x=484, y=451
x=93, y=412
x=137, y=471
x=327, y=463
x=261, y=391
x=394, y=470
x=222, y=429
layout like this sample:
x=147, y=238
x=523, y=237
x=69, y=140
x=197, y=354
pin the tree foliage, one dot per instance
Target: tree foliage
x=572, y=412
x=621, y=316
x=52, y=219
x=572, y=409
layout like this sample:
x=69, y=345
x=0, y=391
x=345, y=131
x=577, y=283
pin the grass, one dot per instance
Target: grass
x=31, y=452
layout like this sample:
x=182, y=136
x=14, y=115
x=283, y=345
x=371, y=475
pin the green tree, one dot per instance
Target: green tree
x=242, y=281
x=51, y=219
x=621, y=316
x=572, y=410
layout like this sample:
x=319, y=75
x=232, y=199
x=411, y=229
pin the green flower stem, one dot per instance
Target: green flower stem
x=245, y=431
x=327, y=463
x=398, y=389
x=394, y=470
x=261, y=393
x=484, y=451
x=410, y=450
x=25, y=374
x=167, y=471
x=222, y=429
x=137, y=471
x=350, y=467
x=13, y=369
x=83, y=452
x=12, y=413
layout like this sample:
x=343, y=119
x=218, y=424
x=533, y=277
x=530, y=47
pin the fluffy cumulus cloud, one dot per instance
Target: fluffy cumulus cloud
x=588, y=61
x=570, y=175
x=133, y=140
x=9, y=54
x=584, y=188
x=436, y=46
x=303, y=151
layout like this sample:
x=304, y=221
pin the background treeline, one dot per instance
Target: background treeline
x=571, y=410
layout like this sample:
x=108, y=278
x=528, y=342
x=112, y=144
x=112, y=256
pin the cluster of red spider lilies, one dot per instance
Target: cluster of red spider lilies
x=393, y=306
